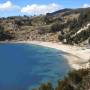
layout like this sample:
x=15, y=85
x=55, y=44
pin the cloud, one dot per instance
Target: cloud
x=40, y=9
x=35, y=9
x=7, y=6
x=86, y=5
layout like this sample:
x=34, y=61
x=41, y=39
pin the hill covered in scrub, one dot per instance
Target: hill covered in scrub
x=70, y=26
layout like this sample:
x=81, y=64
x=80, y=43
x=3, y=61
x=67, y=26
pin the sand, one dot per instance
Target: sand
x=76, y=56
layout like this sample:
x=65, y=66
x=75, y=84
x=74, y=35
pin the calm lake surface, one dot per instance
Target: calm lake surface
x=24, y=66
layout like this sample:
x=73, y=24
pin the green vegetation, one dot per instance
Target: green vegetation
x=61, y=25
x=76, y=80
x=74, y=25
x=89, y=40
x=5, y=35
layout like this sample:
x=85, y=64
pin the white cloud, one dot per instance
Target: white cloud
x=86, y=5
x=40, y=9
x=7, y=6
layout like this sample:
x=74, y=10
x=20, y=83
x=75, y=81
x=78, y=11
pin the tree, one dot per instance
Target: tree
x=57, y=27
x=5, y=35
x=47, y=86
x=89, y=41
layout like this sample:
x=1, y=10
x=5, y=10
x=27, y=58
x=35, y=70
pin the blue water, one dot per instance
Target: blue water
x=24, y=66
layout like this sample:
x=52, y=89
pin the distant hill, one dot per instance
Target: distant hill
x=59, y=11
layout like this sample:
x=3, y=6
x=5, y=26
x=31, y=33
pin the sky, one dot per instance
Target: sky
x=37, y=7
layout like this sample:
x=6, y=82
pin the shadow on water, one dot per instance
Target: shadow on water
x=24, y=66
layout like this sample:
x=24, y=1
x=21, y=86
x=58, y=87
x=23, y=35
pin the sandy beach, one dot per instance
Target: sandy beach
x=76, y=56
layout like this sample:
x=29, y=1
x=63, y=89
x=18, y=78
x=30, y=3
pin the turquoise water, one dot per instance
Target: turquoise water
x=24, y=66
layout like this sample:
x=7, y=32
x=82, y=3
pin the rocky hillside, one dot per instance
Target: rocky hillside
x=70, y=26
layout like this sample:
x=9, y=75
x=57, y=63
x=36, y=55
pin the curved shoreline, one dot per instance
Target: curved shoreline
x=77, y=57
